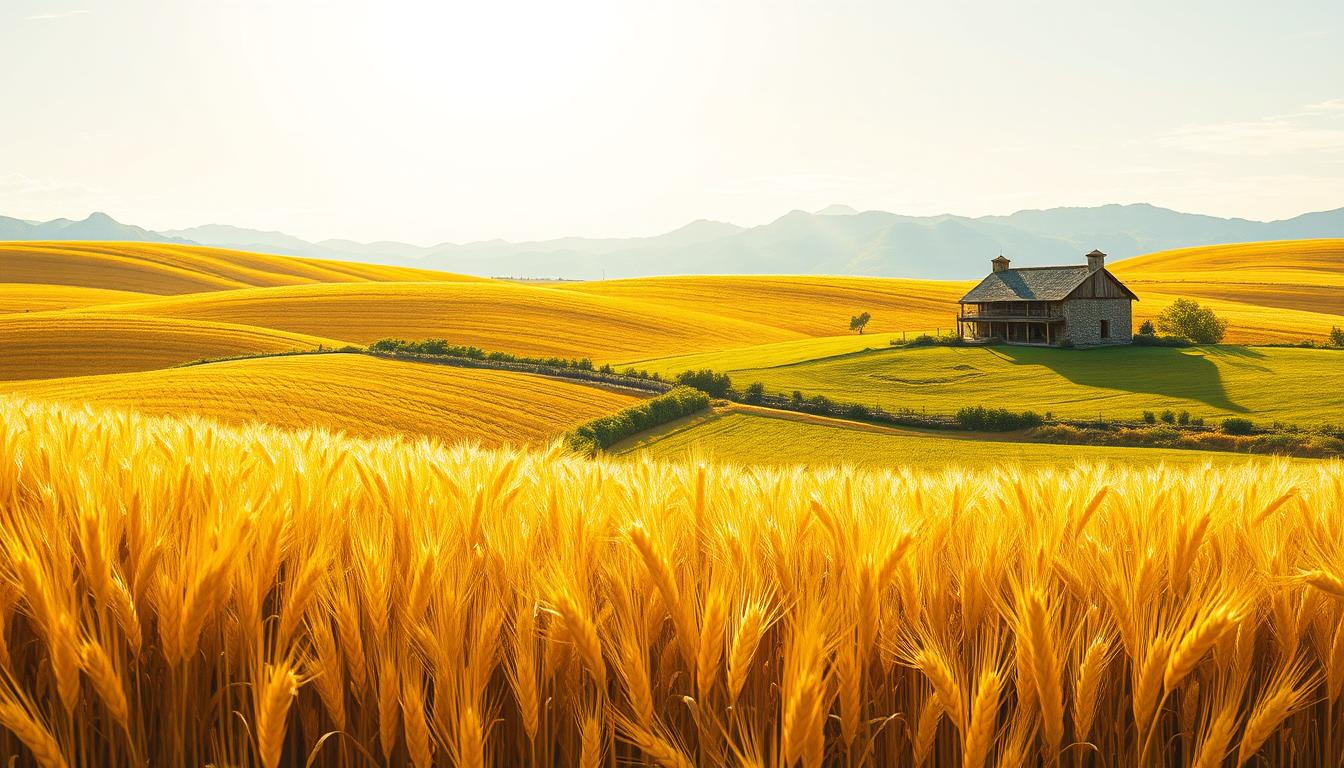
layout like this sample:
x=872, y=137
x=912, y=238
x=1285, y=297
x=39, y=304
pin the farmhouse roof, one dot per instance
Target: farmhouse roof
x=1028, y=284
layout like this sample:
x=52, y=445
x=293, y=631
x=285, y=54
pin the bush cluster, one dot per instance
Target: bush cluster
x=606, y=431
x=1238, y=426
x=982, y=419
x=707, y=381
x=927, y=340
x=441, y=348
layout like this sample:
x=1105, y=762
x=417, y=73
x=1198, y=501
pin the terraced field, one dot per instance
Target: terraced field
x=51, y=345
x=787, y=440
x=493, y=315
x=164, y=268
x=356, y=394
x=1297, y=386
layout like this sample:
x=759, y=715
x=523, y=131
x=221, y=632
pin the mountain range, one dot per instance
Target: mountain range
x=835, y=240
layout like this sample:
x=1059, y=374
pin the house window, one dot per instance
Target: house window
x=1105, y=329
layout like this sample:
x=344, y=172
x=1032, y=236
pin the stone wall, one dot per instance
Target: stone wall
x=1084, y=316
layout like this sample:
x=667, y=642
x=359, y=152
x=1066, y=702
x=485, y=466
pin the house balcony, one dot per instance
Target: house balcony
x=1023, y=314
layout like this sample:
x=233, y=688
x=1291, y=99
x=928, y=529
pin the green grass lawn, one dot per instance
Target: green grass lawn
x=1294, y=386
x=750, y=438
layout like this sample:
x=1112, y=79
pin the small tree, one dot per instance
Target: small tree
x=1147, y=329
x=754, y=393
x=857, y=323
x=1337, y=337
x=1188, y=320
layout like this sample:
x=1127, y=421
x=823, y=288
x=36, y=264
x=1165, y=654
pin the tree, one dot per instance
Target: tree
x=1337, y=337
x=1187, y=320
x=754, y=393
x=857, y=323
x=707, y=381
x=1147, y=329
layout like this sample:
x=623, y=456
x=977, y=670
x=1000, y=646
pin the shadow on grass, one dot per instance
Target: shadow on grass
x=1188, y=374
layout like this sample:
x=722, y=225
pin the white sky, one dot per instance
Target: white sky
x=434, y=121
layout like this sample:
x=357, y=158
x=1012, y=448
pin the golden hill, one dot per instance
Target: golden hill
x=36, y=297
x=494, y=315
x=54, y=344
x=812, y=306
x=1300, y=275
x=356, y=394
x=165, y=268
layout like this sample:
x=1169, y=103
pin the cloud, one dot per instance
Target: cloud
x=58, y=14
x=1316, y=128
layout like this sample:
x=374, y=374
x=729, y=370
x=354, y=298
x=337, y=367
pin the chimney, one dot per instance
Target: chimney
x=1096, y=260
x=999, y=263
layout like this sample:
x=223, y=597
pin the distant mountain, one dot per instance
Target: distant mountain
x=98, y=226
x=835, y=240
x=837, y=210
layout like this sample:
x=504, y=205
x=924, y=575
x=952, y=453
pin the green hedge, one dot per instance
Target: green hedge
x=606, y=431
x=441, y=348
x=982, y=419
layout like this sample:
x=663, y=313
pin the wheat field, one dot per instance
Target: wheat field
x=166, y=268
x=48, y=345
x=178, y=592
x=356, y=394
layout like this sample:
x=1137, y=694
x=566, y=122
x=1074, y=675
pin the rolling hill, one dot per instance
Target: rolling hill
x=1268, y=384
x=812, y=306
x=48, y=345
x=1298, y=275
x=165, y=268
x=356, y=394
x=40, y=297
x=494, y=315
x=745, y=437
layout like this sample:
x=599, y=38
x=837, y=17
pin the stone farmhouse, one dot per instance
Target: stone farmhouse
x=1082, y=305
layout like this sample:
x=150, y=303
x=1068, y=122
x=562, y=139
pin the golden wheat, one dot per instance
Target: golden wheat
x=181, y=592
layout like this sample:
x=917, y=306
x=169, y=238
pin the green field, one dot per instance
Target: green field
x=1265, y=384
x=754, y=438
x=771, y=355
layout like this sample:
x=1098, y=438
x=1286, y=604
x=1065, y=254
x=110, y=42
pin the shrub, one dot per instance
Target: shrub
x=1149, y=418
x=1238, y=426
x=754, y=393
x=797, y=397
x=707, y=381
x=606, y=431
x=1337, y=336
x=1183, y=418
x=1198, y=421
x=857, y=411
x=1168, y=417
x=1147, y=329
x=984, y=419
x=1187, y=320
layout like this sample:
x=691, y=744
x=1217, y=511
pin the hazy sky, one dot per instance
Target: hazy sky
x=434, y=121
